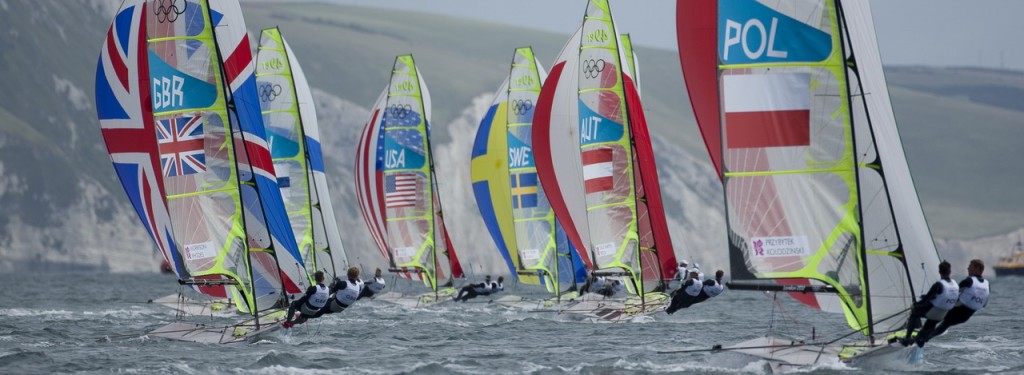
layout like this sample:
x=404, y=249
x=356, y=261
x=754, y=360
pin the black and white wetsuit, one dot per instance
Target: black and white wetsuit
x=372, y=287
x=313, y=300
x=974, y=294
x=933, y=306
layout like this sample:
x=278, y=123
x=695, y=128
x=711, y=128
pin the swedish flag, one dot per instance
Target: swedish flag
x=524, y=190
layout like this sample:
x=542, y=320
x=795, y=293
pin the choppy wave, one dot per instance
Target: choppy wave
x=107, y=334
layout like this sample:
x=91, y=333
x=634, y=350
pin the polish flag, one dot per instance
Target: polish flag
x=597, y=170
x=767, y=110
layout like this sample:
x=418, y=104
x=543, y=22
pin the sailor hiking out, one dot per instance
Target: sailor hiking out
x=310, y=303
x=974, y=294
x=933, y=306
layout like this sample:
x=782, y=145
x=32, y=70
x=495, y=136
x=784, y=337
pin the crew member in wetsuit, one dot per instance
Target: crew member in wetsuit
x=315, y=298
x=712, y=288
x=472, y=290
x=346, y=292
x=373, y=286
x=609, y=288
x=496, y=286
x=933, y=306
x=686, y=296
x=973, y=297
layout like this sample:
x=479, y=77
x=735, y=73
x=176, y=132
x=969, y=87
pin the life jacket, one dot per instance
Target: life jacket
x=693, y=289
x=975, y=296
x=376, y=285
x=681, y=273
x=485, y=288
x=714, y=290
x=497, y=287
x=947, y=299
x=351, y=292
x=317, y=300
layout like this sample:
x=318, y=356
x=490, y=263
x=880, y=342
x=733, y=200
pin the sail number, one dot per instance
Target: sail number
x=588, y=129
x=739, y=34
x=167, y=92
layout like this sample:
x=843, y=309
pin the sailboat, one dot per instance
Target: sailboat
x=792, y=103
x=397, y=189
x=178, y=108
x=601, y=179
x=511, y=200
x=293, y=135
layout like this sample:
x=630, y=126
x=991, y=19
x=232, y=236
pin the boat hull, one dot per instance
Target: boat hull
x=1009, y=271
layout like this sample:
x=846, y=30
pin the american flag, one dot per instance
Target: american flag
x=182, y=150
x=400, y=190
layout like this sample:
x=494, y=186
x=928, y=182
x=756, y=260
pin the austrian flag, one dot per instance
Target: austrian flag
x=767, y=110
x=597, y=170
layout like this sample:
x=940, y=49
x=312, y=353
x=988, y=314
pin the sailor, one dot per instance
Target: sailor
x=315, y=298
x=700, y=274
x=687, y=295
x=933, y=306
x=610, y=288
x=346, y=292
x=973, y=297
x=473, y=290
x=712, y=287
x=373, y=286
x=681, y=270
x=496, y=286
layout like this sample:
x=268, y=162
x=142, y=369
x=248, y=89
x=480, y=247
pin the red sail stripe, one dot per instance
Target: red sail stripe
x=768, y=128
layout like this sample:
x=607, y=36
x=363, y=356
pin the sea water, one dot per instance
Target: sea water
x=55, y=322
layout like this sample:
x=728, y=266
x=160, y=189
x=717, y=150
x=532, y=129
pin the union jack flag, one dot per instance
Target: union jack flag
x=124, y=109
x=182, y=149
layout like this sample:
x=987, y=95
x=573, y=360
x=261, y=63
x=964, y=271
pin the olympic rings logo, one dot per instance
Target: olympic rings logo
x=168, y=10
x=269, y=92
x=399, y=111
x=593, y=68
x=521, y=107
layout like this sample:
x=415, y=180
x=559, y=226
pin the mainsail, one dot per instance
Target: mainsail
x=601, y=180
x=817, y=186
x=395, y=181
x=293, y=135
x=632, y=60
x=511, y=200
x=178, y=108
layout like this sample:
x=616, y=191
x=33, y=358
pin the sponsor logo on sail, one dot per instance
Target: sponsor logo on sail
x=605, y=249
x=524, y=81
x=405, y=86
x=597, y=36
x=202, y=250
x=772, y=247
x=274, y=64
x=530, y=254
x=405, y=253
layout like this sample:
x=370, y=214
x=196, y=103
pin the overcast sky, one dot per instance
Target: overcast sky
x=921, y=32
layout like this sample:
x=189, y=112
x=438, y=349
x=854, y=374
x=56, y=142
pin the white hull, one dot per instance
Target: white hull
x=422, y=300
x=244, y=331
x=786, y=355
x=194, y=307
x=614, y=310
